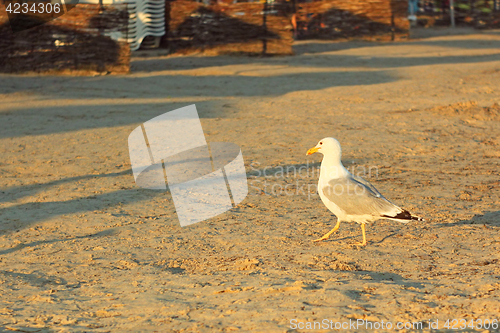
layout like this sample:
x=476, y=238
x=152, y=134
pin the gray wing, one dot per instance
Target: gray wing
x=356, y=196
x=367, y=184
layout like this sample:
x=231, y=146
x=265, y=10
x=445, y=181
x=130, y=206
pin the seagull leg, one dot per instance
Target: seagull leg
x=327, y=235
x=364, y=236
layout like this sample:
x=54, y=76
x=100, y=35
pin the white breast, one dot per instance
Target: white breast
x=339, y=213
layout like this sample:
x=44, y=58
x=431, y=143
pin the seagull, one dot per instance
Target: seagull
x=349, y=197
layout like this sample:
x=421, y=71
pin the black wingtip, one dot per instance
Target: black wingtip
x=405, y=215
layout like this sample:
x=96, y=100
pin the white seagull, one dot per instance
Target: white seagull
x=351, y=198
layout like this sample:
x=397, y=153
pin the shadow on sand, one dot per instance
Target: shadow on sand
x=489, y=218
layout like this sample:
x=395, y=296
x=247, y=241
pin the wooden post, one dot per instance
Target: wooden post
x=264, y=25
x=452, y=14
x=393, y=27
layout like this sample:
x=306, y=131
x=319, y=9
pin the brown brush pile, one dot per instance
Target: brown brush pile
x=234, y=28
x=338, y=19
x=240, y=27
x=73, y=42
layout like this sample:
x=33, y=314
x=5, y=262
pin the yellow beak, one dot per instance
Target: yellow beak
x=312, y=150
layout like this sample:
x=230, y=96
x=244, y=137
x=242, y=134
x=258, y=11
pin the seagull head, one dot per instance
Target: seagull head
x=326, y=146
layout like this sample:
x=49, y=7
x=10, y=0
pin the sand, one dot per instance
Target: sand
x=82, y=248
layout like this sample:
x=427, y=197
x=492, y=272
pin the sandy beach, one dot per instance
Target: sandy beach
x=84, y=249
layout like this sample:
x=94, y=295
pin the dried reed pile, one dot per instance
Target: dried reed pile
x=339, y=19
x=249, y=28
x=73, y=42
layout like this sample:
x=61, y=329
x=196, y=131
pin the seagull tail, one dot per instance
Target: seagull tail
x=404, y=216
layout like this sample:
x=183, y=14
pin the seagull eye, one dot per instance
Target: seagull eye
x=320, y=143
